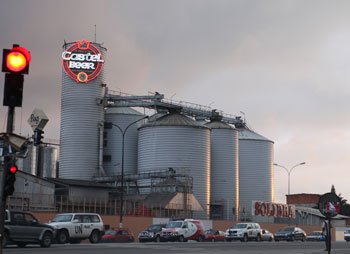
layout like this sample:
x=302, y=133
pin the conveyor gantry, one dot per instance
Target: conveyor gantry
x=157, y=101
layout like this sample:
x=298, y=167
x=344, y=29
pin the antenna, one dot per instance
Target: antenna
x=95, y=33
x=243, y=116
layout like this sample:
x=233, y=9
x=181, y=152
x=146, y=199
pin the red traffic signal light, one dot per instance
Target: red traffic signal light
x=10, y=178
x=16, y=60
x=13, y=169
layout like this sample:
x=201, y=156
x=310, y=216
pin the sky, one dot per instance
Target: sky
x=282, y=65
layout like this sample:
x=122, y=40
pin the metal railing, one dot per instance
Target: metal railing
x=62, y=204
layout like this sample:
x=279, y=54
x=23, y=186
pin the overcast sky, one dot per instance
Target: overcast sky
x=285, y=64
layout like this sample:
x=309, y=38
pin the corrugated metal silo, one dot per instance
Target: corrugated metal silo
x=112, y=150
x=28, y=164
x=81, y=112
x=49, y=157
x=224, y=167
x=177, y=141
x=256, y=181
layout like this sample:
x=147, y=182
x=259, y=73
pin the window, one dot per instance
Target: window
x=62, y=218
x=86, y=219
x=18, y=218
x=79, y=218
x=29, y=218
x=94, y=218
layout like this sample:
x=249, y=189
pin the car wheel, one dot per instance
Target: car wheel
x=181, y=238
x=5, y=239
x=62, y=237
x=213, y=239
x=276, y=240
x=245, y=238
x=200, y=238
x=292, y=238
x=94, y=237
x=46, y=241
x=157, y=239
x=258, y=238
x=21, y=244
x=303, y=239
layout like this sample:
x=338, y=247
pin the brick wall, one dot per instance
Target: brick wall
x=303, y=199
x=138, y=224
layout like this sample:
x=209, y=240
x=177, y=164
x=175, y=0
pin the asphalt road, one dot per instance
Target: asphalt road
x=189, y=247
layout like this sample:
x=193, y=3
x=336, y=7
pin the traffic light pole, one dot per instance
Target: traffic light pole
x=9, y=129
x=38, y=161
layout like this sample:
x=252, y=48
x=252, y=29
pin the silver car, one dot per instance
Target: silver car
x=266, y=235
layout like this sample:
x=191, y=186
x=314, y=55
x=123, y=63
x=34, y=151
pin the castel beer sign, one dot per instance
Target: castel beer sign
x=82, y=61
x=273, y=209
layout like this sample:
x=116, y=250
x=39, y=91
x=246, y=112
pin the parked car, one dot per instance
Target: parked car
x=347, y=235
x=266, y=235
x=74, y=227
x=290, y=234
x=23, y=228
x=214, y=235
x=315, y=236
x=243, y=232
x=117, y=235
x=183, y=230
x=152, y=233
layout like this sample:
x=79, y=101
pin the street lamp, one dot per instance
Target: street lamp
x=288, y=172
x=123, y=132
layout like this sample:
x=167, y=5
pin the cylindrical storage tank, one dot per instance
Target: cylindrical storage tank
x=113, y=139
x=49, y=157
x=224, y=179
x=28, y=164
x=256, y=181
x=176, y=141
x=81, y=110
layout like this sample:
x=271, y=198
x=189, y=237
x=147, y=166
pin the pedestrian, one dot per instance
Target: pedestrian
x=325, y=228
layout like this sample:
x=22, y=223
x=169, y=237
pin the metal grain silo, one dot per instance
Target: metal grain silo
x=113, y=137
x=255, y=169
x=176, y=141
x=81, y=110
x=49, y=157
x=224, y=185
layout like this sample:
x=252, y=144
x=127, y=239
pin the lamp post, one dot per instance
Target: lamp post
x=123, y=132
x=289, y=172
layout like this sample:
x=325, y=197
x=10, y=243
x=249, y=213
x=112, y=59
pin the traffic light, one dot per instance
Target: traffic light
x=16, y=60
x=38, y=135
x=15, y=63
x=10, y=178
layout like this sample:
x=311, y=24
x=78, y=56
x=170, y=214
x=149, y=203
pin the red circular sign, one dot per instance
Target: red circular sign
x=82, y=61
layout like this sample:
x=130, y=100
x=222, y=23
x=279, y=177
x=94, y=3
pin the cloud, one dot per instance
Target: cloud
x=285, y=64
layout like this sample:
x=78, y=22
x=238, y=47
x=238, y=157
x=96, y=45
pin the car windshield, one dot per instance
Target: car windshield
x=240, y=225
x=154, y=228
x=174, y=224
x=209, y=232
x=287, y=229
x=347, y=232
x=110, y=232
x=62, y=218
